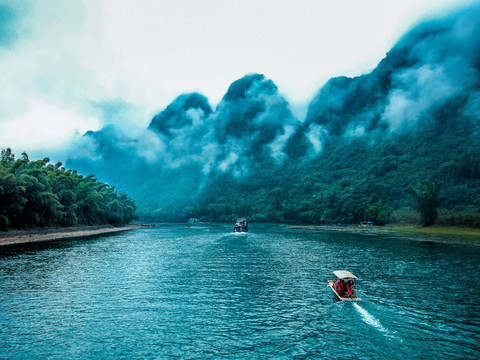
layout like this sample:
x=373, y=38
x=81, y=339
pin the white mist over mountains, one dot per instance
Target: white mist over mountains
x=70, y=67
x=432, y=65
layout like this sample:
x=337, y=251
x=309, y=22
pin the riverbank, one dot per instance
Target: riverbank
x=39, y=235
x=433, y=233
x=459, y=234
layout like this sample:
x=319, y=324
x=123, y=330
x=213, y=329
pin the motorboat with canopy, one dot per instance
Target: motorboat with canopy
x=344, y=287
x=241, y=226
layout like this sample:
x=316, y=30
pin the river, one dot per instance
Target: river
x=205, y=293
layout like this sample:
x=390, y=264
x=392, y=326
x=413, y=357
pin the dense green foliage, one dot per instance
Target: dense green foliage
x=39, y=194
x=352, y=181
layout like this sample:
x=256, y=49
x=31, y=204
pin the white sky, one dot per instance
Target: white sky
x=71, y=58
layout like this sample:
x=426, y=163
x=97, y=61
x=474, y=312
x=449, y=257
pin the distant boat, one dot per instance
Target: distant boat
x=241, y=226
x=344, y=287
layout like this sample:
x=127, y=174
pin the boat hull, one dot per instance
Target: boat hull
x=340, y=297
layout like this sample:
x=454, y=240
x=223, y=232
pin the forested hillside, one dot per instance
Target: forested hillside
x=39, y=194
x=364, y=141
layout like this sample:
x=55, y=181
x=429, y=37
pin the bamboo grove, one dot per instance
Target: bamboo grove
x=40, y=194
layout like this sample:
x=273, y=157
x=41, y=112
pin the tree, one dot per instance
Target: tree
x=427, y=199
x=6, y=156
x=378, y=213
x=39, y=194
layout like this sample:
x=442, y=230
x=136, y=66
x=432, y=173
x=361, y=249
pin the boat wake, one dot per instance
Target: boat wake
x=373, y=321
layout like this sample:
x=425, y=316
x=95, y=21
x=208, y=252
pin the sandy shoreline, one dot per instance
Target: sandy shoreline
x=39, y=235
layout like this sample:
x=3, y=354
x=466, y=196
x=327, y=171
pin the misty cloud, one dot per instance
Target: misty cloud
x=8, y=21
x=181, y=113
x=188, y=144
x=443, y=64
x=114, y=111
x=431, y=67
x=251, y=116
x=417, y=91
x=316, y=134
x=251, y=123
x=346, y=103
x=185, y=130
x=277, y=146
x=46, y=88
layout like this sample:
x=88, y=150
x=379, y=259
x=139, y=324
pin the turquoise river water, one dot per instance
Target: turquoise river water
x=205, y=293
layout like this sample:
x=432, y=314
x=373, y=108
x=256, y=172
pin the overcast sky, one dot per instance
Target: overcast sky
x=68, y=66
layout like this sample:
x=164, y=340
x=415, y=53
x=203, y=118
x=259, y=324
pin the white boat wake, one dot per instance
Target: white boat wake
x=371, y=320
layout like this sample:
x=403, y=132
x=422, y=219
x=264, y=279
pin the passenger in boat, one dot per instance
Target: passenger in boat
x=350, y=289
x=341, y=288
x=335, y=284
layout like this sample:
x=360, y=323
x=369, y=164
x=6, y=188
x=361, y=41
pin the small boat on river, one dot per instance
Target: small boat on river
x=344, y=287
x=241, y=226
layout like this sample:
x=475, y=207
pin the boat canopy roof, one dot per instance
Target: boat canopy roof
x=343, y=274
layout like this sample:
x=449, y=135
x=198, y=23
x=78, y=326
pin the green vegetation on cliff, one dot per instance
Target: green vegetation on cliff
x=352, y=181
